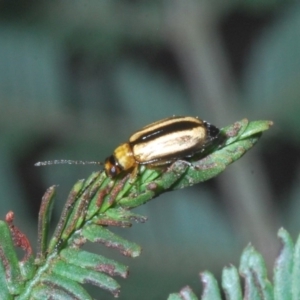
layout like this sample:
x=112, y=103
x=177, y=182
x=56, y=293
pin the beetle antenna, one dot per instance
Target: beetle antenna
x=66, y=162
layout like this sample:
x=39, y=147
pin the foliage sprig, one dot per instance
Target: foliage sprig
x=61, y=266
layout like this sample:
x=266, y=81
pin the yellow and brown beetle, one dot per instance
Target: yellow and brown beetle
x=158, y=144
x=161, y=143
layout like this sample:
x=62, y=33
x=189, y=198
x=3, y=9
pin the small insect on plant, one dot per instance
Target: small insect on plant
x=156, y=145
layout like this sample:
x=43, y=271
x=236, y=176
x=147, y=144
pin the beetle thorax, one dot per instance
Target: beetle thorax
x=123, y=154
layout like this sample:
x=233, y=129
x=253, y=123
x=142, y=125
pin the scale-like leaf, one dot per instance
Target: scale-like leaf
x=231, y=283
x=283, y=269
x=94, y=262
x=9, y=261
x=210, y=287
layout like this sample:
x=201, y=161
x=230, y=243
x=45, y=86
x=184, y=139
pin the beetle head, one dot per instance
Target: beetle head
x=111, y=166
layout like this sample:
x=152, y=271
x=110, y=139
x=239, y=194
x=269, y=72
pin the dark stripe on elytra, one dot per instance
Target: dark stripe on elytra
x=164, y=130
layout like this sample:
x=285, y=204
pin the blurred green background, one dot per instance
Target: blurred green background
x=78, y=77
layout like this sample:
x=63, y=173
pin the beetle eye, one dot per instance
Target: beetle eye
x=111, y=167
x=113, y=171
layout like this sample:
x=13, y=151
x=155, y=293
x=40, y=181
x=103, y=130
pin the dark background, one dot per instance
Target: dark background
x=78, y=77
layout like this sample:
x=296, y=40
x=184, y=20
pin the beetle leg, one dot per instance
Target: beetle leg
x=189, y=164
x=160, y=163
x=134, y=173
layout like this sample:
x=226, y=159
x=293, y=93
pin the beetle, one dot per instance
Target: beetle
x=161, y=143
x=157, y=144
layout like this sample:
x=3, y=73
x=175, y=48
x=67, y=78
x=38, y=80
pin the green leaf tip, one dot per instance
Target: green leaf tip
x=102, y=235
x=283, y=268
x=210, y=287
x=186, y=293
x=253, y=269
x=231, y=283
